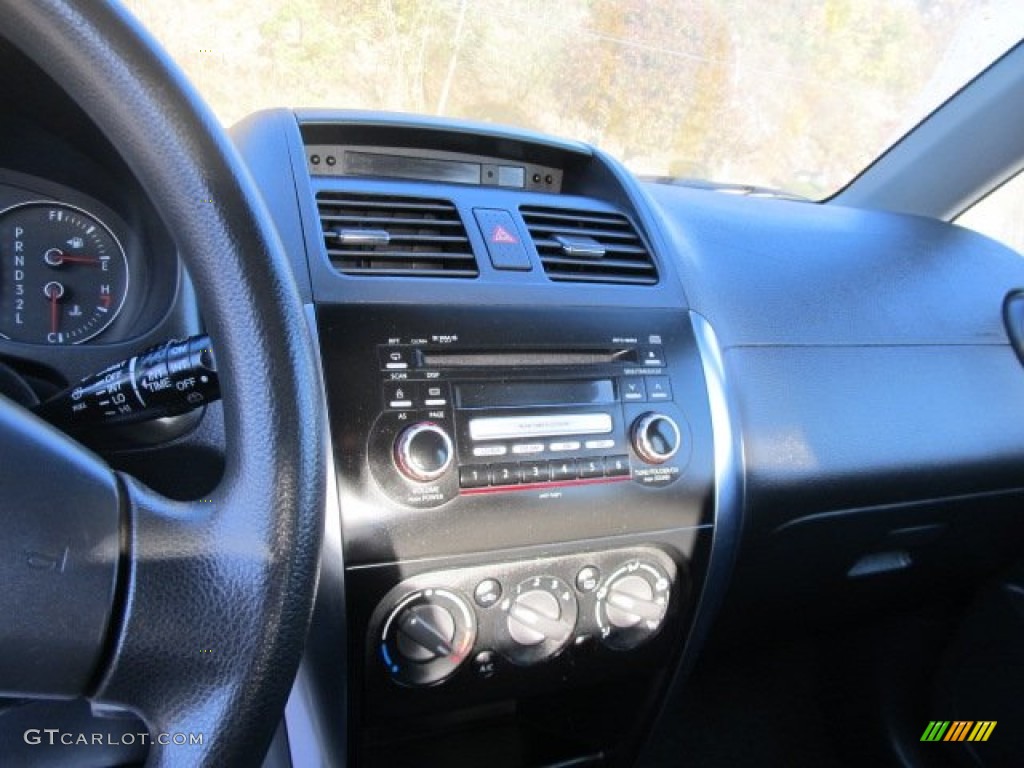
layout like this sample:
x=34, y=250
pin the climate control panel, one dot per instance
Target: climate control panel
x=508, y=618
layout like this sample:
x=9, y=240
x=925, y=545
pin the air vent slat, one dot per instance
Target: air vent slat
x=609, y=265
x=585, y=277
x=619, y=248
x=412, y=272
x=398, y=255
x=370, y=221
x=398, y=237
x=577, y=218
x=589, y=246
x=383, y=203
x=395, y=236
x=597, y=234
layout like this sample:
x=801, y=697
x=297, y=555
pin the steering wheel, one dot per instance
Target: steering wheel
x=192, y=614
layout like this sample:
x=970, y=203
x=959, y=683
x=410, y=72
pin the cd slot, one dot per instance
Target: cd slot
x=523, y=358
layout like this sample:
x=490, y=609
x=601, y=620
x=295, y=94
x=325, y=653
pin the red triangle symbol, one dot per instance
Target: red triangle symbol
x=501, y=235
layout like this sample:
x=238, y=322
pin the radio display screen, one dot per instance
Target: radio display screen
x=489, y=394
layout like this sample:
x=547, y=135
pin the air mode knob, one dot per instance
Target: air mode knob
x=423, y=452
x=632, y=604
x=656, y=438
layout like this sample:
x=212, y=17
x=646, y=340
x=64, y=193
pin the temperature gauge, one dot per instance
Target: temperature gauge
x=64, y=275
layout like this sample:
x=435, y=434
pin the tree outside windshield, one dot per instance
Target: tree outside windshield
x=793, y=94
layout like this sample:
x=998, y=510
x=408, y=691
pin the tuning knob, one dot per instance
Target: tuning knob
x=540, y=619
x=427, y=635
x=423, y=452
x=656, y=438
x=632, y=605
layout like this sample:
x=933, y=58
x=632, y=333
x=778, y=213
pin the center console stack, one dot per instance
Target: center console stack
x=522, y=444
x=526, y=513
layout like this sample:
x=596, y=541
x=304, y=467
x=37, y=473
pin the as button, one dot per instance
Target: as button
x=400, y=394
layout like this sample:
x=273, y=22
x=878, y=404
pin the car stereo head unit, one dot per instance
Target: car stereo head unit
x=459, y=421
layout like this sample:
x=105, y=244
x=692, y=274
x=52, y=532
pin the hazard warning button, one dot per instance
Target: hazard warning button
x=504, y=244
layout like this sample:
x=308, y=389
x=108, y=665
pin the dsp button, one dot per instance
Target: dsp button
x=434, y=394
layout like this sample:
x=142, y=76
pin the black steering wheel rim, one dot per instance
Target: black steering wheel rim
x=213, y=597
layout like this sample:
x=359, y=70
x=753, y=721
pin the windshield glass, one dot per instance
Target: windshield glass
x=798, y=95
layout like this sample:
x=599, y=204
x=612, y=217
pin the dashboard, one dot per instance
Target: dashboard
x=509, y=323
x=577, y=421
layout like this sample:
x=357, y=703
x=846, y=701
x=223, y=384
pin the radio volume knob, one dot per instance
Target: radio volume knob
x=423, y=452
x=656, y=438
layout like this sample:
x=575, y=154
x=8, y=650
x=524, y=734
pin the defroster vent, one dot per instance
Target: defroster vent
x=589, y=246
x=396, y=236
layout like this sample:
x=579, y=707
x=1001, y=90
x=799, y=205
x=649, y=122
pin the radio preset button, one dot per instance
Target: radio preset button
x=658, y=388
x=598, y=445
x=566, y=445
x=535, y=471
x=616, y=466
x=505, y=474
x=474, y=477
x=490, y=450
x=633, y=390
x=591, y=468
x=564, y=470
x=527, y=448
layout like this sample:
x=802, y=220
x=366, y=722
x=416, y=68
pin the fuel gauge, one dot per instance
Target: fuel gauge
x=64, y=275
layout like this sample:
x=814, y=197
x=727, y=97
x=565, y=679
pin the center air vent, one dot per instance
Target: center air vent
x=589, y=246
x=396, y=236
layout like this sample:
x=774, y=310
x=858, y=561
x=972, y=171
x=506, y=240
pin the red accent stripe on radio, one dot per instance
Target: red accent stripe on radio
x=540, y=486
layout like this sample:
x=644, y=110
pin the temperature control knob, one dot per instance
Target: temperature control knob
x=656, y=438
x=427, y=636
x=632, y=604
x=540, y=619
x=423, y=452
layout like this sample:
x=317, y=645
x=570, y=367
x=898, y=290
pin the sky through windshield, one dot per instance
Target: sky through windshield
x=794, y=94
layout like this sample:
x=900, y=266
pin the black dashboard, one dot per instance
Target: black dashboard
x=576, y=420
x=841, y=380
